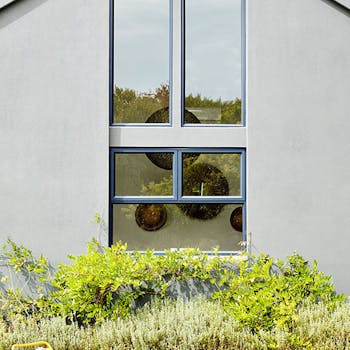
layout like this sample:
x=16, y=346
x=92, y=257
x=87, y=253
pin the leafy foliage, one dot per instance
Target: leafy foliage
x=268, y=293
x=260, y=294
x=131, y=106
x=230, y=110
x=229, y=165
x=106, y=282
x=27, y=280
x=194, y=325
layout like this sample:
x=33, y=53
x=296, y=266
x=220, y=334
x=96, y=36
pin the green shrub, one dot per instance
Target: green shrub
x=109, y=282
x=25, y=280
x=267, y=293
x=198, y=324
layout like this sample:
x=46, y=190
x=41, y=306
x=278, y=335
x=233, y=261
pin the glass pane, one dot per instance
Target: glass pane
x=143, y=174
x=165, y=226
x=211, y=174
x=213, y=61
x=141, y=61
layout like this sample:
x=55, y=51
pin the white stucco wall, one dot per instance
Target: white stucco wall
x=298, y=132
x=54, y=123
x=54, y=127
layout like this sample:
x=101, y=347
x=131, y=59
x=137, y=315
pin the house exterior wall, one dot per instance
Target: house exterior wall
x=54, y=127
x=298, y=132
x=54, y=123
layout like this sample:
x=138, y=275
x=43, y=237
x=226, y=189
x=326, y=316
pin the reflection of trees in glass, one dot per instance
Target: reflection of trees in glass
x=230, y=110
x=134, y=107
x=227, y=163
x=131, y=106
x=203, y=179
x=161, y=188
x=134, y=171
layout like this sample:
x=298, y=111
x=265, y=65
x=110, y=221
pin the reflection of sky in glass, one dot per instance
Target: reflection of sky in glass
x=213, y=48
x=141, y=44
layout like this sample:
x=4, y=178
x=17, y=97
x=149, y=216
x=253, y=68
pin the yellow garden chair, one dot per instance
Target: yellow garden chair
x=36, y=345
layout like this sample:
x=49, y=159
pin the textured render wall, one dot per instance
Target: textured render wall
x=298, y=131
x=54, y=123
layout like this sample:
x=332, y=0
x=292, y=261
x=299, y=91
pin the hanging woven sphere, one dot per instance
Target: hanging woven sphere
x=151, y=217
x=236, y=219
x=165, y=160
x=203, y=179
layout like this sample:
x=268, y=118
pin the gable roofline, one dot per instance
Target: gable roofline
x=4, y=3
x=345, y=3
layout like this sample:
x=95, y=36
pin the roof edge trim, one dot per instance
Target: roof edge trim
x=4, y=3
x=345, y=3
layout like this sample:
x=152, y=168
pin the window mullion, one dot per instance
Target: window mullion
x=176, y=62
x=178, y=174
x=243, y=174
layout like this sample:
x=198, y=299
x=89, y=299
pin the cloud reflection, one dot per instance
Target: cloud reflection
x=213, y=46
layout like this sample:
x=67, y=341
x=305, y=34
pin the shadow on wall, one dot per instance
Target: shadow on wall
x=17, y=9
x=26, y=280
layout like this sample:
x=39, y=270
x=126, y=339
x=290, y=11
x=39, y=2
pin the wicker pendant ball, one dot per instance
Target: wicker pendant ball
x=151, y=217
x=236, y=219
x=203, y=179
x=201, y=211
x=165, y=160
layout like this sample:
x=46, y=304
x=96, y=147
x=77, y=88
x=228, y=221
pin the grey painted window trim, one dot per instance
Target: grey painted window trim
x=177, y=197
x=136, y=138
x=176, y=71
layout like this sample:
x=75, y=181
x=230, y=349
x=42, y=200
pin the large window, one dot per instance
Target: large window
x=177, y=116
x=213, y=84
x=142, y=46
